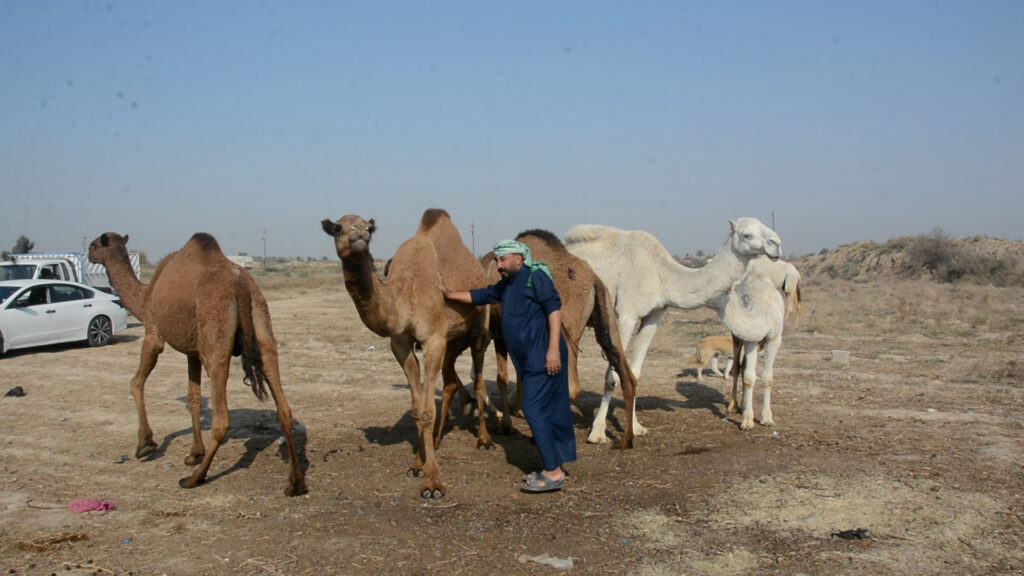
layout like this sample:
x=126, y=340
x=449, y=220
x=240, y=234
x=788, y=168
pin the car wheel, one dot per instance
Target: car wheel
x=100, y=331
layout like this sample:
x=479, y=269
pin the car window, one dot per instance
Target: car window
x=5, y=293
x=17, y=272
x=32, y=297
x=68, y=293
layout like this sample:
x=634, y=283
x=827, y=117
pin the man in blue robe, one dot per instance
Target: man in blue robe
x=531, y=324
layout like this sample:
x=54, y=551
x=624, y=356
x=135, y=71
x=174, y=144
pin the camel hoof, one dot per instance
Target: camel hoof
x=297, y=489
x=624, y=444
x=189, y=482
x=193, y=459
x=639, y=430
x=436, y=494
x=145, y=450
x=485, y=444
x=602, y=439
x=413, y=473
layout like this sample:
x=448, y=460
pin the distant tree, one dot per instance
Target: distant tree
x=143, y=259
x=21, y=246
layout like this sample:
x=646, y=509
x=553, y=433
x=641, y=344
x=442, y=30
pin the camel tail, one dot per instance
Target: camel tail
x=248, y=347
x=607, y=330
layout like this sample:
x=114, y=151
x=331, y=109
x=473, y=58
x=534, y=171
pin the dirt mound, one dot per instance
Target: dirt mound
x=980, y=257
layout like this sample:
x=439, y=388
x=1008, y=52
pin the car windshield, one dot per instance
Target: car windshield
x=17, y=272
x=6, y=291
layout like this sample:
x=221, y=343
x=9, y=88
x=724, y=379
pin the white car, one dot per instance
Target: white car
x=41, y=312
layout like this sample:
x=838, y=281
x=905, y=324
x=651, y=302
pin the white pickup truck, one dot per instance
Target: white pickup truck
x=71, y=266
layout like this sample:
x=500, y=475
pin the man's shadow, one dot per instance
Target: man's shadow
x=259, y=429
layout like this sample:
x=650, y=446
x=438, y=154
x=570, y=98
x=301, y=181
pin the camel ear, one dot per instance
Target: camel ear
x=732, y=225
x=330, y=228
x=373, y=226
x=124, y=239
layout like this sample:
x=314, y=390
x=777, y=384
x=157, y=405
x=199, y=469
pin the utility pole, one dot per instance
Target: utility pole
x=264, y=250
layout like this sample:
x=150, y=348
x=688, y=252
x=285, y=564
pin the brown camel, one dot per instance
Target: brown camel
x=585, y=302
x=208, y=309
x=409, y=308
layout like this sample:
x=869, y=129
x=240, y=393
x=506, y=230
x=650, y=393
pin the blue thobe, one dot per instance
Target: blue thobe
x=524, y=325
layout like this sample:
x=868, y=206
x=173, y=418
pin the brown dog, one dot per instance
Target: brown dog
x=709, y=350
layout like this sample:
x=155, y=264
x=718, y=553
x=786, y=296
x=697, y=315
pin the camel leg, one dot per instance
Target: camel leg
x=268, y=356
x=195, y=375
x=151, y=349
x=483, y=437
x=218, y=371
x=433, y=358
x=641, y=343
x=451, y=382
x=629, y=385
x=501, y=361
x=402, y=349
x=771, y=349
x=597, y=429
x=574, y=377
x=749, y=379
x=737, y=366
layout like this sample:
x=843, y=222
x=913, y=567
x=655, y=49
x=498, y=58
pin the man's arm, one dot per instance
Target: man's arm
x=553, y=358
x=457, y=295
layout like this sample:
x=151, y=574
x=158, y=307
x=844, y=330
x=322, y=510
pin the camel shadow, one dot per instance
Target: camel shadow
x=259, y=429
x=518, y=447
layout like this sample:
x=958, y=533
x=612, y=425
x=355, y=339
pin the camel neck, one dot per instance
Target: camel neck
x=129, y=289
x=367, y=291
x=690, y=288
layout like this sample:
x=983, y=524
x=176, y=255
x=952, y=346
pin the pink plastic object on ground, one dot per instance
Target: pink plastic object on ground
x=90, y=504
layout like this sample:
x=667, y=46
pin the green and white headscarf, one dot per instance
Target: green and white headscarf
x=515, y=247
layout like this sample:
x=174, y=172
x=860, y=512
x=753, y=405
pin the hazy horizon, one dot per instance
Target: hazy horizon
x=842, y=122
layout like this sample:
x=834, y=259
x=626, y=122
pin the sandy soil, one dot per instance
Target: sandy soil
x=918, y=440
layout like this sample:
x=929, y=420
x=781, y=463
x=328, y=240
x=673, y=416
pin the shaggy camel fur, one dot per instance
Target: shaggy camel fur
x=208, y=309
x=754, y=311
x=709, y=350
x=409, y=308
x=645, y=280
x=585, y=302
x=785, y=277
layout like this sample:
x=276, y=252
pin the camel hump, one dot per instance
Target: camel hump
x=589, y=232
x=432, y=216
x=543, y=235
x=205, y=242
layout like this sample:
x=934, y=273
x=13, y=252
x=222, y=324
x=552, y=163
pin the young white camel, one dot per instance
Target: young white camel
x=754, y=311
x=645, y=280
x=785, y=277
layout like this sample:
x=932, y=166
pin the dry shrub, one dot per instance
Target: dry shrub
x=985, y=369
x=947, y=260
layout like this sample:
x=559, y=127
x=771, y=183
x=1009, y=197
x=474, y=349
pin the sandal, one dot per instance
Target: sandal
x=526, y=477
x=538, y=482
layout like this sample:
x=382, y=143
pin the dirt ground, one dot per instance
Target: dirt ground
x=918, y=440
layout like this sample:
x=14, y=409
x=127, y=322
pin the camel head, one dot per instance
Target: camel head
x=106, y=246
x=351, y=235
x=751, y=238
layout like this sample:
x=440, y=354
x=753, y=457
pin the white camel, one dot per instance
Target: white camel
x=754, y=311
x=785, y=277
x=645, y=280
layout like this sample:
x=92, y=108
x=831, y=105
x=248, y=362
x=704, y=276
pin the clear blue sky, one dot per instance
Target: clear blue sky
x=845, y=121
